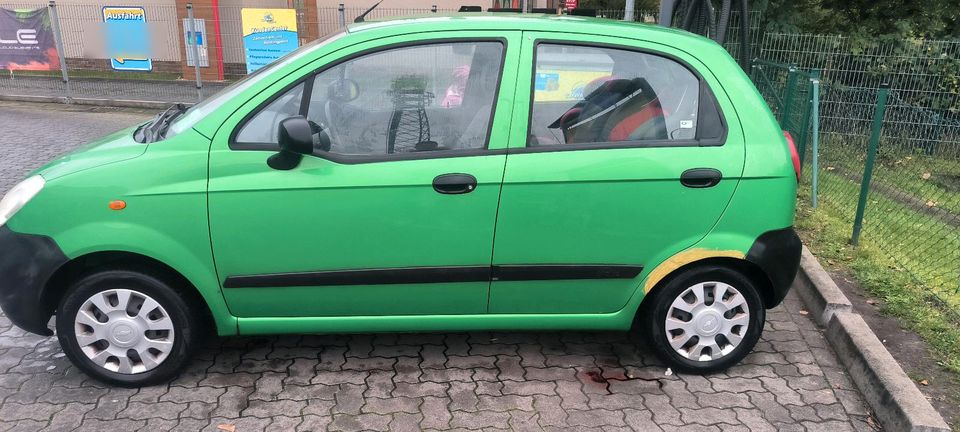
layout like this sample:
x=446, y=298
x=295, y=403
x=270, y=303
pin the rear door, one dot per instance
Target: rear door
x=626, y=155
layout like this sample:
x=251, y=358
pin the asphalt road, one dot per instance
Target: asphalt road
x=491, y=381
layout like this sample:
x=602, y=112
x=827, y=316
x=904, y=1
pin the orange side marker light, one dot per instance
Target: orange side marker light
x=118, y=205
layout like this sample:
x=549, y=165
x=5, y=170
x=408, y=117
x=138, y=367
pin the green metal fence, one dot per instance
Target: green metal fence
x=889, y=147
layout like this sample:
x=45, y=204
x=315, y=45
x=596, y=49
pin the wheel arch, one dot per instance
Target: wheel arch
x=747, y=268
x=57, y=285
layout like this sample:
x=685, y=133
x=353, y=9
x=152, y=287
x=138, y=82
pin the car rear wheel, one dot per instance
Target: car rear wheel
x=704, y=320
x=125, y=328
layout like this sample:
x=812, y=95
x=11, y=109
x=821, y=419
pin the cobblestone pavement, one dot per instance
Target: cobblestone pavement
x=518, y=381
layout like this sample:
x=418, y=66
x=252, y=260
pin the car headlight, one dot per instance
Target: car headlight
x=19, y=196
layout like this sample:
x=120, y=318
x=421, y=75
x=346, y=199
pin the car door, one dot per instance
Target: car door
x=627, y=155
x=394, y=212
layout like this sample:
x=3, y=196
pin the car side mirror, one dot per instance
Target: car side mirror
x=296, y=139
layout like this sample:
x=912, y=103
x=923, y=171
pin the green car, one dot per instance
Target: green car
x=440, y=173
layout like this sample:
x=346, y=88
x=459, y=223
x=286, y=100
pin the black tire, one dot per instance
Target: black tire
x=185, y=325
x=652, y=322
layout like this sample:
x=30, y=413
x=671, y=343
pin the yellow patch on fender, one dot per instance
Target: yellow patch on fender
x=683, y=258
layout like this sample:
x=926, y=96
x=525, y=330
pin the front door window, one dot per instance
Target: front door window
x=426, y=98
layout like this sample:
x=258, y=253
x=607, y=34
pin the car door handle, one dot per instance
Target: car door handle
x=699, y=178
x=450, y=184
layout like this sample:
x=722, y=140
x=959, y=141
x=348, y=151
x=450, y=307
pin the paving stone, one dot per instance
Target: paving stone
x=421, y=389
x=265, y=409
x=595, y=418
x=404, y=422
x=148, y=410
x=505, y=403
x=463, y=396
x=480, y=419
x=392, y=405
x=527, y=388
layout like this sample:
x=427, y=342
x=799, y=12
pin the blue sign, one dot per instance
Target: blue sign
x=128, y=39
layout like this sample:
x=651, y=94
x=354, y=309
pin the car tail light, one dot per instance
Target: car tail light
x=793, y=153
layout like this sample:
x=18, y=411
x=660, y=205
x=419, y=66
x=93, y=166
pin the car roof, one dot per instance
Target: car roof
x=529, y=22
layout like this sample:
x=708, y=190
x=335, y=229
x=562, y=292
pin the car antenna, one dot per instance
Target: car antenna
x=359, y=19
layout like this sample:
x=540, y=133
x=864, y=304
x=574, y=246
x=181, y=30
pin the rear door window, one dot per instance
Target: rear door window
x=596, y=95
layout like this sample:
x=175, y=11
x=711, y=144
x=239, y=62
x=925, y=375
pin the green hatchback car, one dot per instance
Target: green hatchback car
x=440, y=173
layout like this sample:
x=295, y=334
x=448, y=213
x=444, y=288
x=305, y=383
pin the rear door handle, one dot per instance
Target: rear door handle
x=699, y=178
x=455, y=183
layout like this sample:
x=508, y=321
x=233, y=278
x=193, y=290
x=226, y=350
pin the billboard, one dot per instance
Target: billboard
x=26, y=40
x=128, y=41
x=268, y=34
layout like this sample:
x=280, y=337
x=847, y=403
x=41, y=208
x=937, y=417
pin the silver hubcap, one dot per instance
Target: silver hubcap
x=707, y=321
x=124, y=331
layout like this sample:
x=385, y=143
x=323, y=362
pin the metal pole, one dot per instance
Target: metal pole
x=58, y=40
x=195, y=49
x=882, y=94
x=815, y=145
x=666, y=12
x=628, y=10
x=805, y=129
x=343, y=18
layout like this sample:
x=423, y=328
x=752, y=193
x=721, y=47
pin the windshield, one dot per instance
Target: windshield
x=202, y=109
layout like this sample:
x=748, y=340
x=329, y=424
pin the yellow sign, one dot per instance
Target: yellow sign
x=268, y=34
x=554, y=85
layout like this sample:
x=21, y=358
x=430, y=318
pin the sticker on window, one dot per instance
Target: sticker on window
x=565, y=85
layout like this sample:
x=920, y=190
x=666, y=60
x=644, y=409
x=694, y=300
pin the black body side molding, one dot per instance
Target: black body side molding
x=419, y=275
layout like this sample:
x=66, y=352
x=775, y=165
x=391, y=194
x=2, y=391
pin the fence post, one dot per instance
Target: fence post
x=195, y=49
x=343, y=18
x=882, y=95
x=58, y=40
x=815, y=142
x=628, y=10
x=787, y=102
x=805, y=129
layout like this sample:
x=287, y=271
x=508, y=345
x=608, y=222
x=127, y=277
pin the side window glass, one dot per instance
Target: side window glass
x=262, y=127
x=435, y=97
x=587, y=95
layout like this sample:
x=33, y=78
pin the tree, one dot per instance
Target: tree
x=867, y=18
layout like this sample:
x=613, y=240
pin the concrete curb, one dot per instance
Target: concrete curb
x=818, y=291
x=895, y=399
x=124, y=103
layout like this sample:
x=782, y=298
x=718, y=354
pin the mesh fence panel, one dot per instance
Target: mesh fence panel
x=912, y=211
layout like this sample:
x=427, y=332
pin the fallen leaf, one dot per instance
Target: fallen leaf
x=871, y=302
x=925, y=176
x=227, y=427
x=924, y=382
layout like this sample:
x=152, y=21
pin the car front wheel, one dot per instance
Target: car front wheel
x=125, y=328
x=704, y=320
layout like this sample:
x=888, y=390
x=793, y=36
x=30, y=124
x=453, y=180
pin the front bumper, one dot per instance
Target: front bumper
x=777, y=253
x=26, y=263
